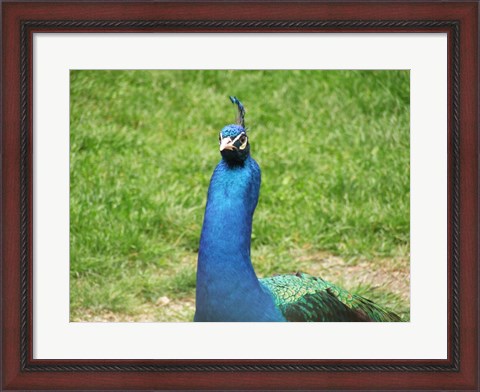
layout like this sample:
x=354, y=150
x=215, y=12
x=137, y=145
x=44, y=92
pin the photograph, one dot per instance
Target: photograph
x=239, y=195
x=229, y=196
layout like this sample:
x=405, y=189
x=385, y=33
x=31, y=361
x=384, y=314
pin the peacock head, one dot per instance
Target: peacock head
x=233, y=138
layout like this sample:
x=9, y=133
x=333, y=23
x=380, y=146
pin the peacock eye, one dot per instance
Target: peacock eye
x=220, y=138
x=243, y=138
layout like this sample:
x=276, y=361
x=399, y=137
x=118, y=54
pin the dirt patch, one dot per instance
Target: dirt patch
x=164, y=310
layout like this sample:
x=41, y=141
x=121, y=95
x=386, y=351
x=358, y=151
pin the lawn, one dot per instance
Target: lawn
x=334, y=151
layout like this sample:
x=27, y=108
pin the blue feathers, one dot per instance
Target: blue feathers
x=232, y=130
x=227, y=287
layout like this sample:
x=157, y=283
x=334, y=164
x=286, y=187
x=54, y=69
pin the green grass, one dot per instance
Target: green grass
x=333, y=147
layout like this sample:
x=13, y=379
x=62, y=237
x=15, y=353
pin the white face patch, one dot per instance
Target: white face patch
x=226, y=144
x=244, y=144
x=242, y=147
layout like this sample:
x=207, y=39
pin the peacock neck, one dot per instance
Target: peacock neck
x=227, y=286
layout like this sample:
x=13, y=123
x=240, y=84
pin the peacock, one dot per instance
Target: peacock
x=227, y=287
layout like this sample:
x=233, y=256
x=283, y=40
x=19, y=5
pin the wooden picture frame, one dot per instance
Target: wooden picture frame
x=21, y=19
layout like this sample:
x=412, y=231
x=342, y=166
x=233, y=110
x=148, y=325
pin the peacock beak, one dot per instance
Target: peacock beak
x=227, y=144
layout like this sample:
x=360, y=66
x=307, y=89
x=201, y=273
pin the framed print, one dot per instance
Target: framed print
x=363, y=118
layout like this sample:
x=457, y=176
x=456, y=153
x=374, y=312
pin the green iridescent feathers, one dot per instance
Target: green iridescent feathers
x=302, y=297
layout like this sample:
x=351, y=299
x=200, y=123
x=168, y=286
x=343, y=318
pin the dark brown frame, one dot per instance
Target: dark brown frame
x=22, y=19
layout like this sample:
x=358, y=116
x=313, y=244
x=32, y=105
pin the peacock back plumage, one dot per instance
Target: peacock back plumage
x=302, y=297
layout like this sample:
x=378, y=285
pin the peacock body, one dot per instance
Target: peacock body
x=227, y=286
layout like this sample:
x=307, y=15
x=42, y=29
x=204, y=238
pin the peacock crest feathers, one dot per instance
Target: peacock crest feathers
x=240, y=111
x=233, y=130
